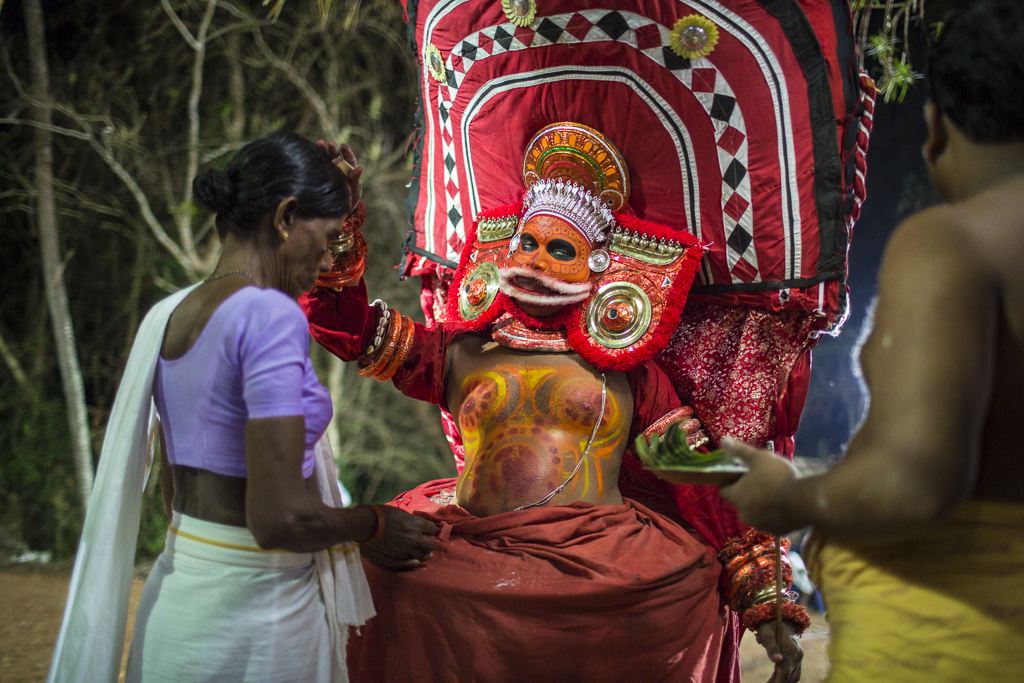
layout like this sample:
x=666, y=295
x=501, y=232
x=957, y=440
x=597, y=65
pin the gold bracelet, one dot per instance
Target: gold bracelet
x=401, y=351
x=764, y=595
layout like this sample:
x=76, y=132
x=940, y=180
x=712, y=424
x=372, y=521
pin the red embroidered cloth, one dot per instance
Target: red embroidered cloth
x=569, y=593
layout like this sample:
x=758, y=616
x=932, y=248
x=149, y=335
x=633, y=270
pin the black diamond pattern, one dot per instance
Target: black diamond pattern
x=454, y=216
x=614, y=24
x=503, y=38
x=550, y=30
x=722, y=106
x=735, y=173
x=738, y=241
x=452, y=83
x=444, y=112
x=674, y=61
x=468, y=50
x=449, y=163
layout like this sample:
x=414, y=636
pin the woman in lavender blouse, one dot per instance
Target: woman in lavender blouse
x=241, y=591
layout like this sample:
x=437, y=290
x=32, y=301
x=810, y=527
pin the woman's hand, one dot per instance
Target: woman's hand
x=760, y=494
x=407, y=540
x=787, y=658
x=345, y=158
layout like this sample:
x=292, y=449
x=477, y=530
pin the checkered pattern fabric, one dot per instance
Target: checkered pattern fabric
x=700, y=77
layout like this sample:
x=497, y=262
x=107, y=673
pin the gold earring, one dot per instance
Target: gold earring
x=285, y=233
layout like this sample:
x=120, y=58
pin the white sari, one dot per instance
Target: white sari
x=91, y=641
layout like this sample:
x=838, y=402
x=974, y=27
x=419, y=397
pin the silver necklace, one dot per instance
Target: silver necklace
x=583, y=458
x=232, y=272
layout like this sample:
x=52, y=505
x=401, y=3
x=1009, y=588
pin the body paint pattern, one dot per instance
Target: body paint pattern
x=524, y=430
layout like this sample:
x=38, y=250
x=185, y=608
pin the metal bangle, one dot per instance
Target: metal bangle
x=401, y=351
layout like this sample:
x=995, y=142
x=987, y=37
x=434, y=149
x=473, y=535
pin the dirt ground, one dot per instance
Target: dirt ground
x=32, y=604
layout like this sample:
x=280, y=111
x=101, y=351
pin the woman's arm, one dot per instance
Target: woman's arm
x=284, y=511
x=166, y=476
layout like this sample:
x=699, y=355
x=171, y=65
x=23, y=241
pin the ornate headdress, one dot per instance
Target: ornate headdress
x=573, y=172
x=573, y=204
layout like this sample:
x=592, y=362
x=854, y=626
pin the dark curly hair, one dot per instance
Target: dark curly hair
x=976, y=70
x=264, y=173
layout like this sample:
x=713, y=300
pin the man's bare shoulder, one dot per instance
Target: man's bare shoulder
x=938, y=240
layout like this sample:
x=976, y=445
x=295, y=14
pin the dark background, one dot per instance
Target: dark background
x=124, y=60
x=897, y=186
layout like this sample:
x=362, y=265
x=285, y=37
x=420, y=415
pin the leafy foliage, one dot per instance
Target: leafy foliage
x=146, y=95
x=889, y=46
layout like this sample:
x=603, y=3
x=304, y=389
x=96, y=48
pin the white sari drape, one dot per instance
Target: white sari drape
x=91, y=641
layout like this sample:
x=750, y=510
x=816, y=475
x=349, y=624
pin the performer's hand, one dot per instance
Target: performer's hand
x=759, y=494
x=354, y=173
x=345, y=158
x=788, y=658
x=407, y=541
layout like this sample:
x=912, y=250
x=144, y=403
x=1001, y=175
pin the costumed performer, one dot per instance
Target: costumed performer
x=919, y=530
x=260, y=576
x=559, y=558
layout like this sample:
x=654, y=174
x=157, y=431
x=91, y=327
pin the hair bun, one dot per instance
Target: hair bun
x=215, y=190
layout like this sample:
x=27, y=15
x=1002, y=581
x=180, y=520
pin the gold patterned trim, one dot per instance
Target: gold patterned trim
x=657, y=252
x=496, y=229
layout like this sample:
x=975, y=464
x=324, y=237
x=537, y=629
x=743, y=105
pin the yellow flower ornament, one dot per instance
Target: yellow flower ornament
x=435, y=64
x=520, y=12
x=694, y=36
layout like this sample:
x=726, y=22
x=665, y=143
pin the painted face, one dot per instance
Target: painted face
x=553, y=247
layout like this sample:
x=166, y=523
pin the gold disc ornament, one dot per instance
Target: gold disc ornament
x=618, y=315
x=478, y=290
x=577, y=153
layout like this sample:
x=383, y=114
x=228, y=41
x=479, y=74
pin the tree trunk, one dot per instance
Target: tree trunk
x=53, y=271
x=234, y=128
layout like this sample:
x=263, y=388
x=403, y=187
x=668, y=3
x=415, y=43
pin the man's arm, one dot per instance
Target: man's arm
x=928, y=368
x=343, y=322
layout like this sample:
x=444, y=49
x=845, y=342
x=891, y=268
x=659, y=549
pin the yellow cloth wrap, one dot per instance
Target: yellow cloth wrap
x=947, y=606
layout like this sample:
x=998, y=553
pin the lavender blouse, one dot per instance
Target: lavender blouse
x=250, y=361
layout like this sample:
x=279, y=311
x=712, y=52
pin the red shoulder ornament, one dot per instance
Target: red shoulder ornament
x=639, y=281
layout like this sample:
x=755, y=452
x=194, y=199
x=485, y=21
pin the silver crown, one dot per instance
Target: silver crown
x=573, y=204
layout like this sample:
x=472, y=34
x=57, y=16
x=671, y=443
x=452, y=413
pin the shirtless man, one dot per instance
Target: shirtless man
x=924, y=517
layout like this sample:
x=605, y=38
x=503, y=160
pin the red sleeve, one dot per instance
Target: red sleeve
x=342, y=322
x=700, y=506
x=422, y=375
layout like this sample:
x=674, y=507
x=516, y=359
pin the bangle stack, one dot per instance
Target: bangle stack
x=392, y=341
x=749, y=586
x=348, y=253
